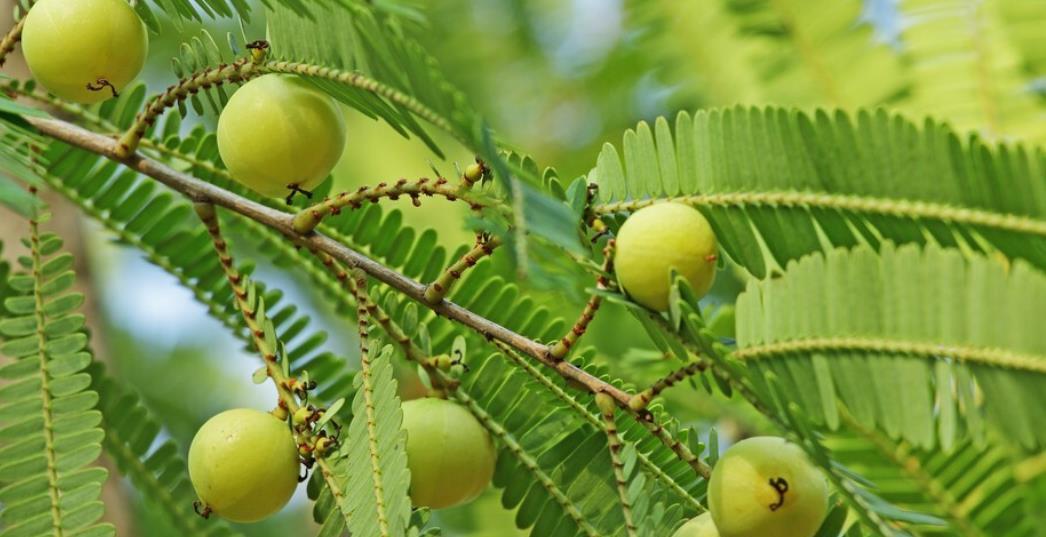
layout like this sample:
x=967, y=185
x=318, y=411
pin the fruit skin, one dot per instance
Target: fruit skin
x=700, y=526
x=450, y=455
x=658, y=238
x=243, y=464
x=277, y=130
x=740, y=494
x=69, y=44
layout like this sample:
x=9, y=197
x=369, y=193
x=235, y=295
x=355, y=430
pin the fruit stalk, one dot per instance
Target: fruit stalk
x=607, y=408
x=438, y=289
x=561, y=348
x=307, y=219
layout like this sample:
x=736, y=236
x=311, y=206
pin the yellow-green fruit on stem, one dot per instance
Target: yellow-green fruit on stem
x=278, y=132
x=72, y=46
x=766, y=487
x=659, y=238
x=700, y=526
x=450, y=455
x=243, y=464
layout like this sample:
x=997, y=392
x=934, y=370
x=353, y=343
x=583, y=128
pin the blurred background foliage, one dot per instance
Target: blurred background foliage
x=557, y=79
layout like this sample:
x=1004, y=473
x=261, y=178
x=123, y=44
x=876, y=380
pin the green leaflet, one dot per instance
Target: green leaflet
x=795, y=52
x=917, y=307
x=49, y=428
x=777, y=184
x=374, y=457
x=978, y=490
x=966, y=66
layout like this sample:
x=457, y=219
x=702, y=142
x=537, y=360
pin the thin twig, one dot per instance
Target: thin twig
x=643, y=398
x=310, y=217
x=562, y=347
x=438, y=289
x=237, y=282
x=238, y=71
x=607, y=408
x=10, y=39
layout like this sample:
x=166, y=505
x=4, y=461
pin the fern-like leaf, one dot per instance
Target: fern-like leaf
x=49, y=434
x=375, y=456
x=968, y=71
x=778, y=184
x=929, y=324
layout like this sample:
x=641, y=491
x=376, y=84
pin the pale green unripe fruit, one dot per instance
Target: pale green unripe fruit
x=700, y=526
x=450, y=455
x=70, y=44
x=766, y=487
x=243, y=464
x=277, y=131
x=659, y=238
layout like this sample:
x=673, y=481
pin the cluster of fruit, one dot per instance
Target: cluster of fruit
x=244, y=463
x=278, y=133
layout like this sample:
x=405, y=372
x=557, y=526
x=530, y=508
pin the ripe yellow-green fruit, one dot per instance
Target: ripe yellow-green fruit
x=450, y=455
x=700, y=526
x=766, y=487
x=278, y=133
x=243, y=464
x=76, y=48
x=659, y=238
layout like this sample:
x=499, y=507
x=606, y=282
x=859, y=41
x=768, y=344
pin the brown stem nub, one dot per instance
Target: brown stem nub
x=307, y=219
x=642, y=399
x=438, y=289
x=101, y=84
x=201, y=509
x=295, y=189
x=607, y=408
x=561, y=348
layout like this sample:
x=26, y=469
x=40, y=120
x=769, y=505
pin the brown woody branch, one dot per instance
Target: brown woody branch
x=202, y=191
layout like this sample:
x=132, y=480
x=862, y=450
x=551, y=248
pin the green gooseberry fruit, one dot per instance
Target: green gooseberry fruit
x=450, y=455
x=658, y=238
x=243, y=464
x=84, y=50
x=766, y=487
x=278, y=133
x=699, y=526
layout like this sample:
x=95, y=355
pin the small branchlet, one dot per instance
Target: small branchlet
x=10, y=39
x=438, y=289
x=308, y=218
x=608, y=408
x=378, y=314
x=561, y=348
x=640, y=400
x=302, y=415
x=239, y=71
